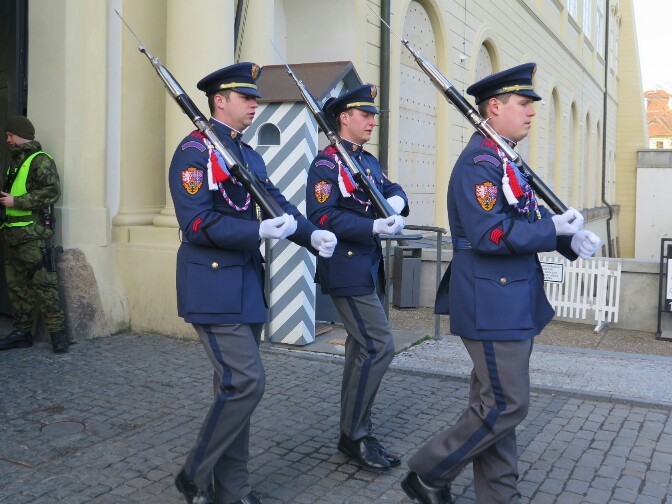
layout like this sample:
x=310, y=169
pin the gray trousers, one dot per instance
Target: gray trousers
x=369, y=350
x=485, y=434
x=222, y=448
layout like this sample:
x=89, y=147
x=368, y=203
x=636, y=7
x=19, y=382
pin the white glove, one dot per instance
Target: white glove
x=278, y=228
x=585, y=243
x=563, y=226
x=397, y=203
x=324, y=242
x=391, y=225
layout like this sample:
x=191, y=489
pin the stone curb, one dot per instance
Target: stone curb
x=565, y=392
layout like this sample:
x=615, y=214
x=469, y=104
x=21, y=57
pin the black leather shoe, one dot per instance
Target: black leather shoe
x=423, y=492
x=392, y=458
x=17, y=339
x=363, y=453
x=251, y=498
x=59, y=341
x=191, y=492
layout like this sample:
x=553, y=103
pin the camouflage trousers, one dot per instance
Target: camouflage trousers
x=32, y=288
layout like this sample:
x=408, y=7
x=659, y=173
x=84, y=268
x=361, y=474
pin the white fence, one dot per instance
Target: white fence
x=575, y=288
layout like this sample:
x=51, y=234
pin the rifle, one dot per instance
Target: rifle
x=237, y=169
x=472, y=115
x=379, y=202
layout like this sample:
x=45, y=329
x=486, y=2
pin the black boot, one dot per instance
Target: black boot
x=191, y=492
x=363, y=453
x=251, y=498
x=17, y=339
x=392, y=458
x=423, y=492
x=59, y=341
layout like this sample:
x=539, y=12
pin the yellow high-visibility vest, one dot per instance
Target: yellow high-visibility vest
x=16, y=216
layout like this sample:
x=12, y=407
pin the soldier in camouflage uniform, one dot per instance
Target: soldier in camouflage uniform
x=30, y=187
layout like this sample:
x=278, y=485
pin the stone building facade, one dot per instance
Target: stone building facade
x=103, y=113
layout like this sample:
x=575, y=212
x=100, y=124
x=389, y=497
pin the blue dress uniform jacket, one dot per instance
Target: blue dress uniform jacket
x=497, y=284
x=353, y=269
x=220, y=274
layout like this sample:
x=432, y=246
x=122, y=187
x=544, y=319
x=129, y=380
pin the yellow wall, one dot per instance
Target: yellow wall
x=102, y=111
x=634, y=137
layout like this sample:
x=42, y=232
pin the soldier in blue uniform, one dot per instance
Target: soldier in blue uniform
x=220, y=280
x=352, y=277
x=496, y=296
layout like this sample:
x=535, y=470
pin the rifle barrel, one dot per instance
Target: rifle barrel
x=380, y=204
x=258, y=192
x=471, y=114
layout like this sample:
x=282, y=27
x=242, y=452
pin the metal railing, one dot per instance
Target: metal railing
x=440, y=232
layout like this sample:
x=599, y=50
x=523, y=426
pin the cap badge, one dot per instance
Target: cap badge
x=254, y=71
x=374, y=91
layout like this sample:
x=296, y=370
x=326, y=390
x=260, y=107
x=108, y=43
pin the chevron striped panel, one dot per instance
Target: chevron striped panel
x=292, y=268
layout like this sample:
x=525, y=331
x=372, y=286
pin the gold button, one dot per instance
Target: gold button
x=349, y=253
x=215, y=265
x=502, y=280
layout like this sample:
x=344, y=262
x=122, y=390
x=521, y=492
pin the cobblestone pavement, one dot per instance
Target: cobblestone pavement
x=112, y=420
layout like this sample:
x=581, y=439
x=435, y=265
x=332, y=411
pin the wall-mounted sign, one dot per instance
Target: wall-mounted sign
x=553, y=272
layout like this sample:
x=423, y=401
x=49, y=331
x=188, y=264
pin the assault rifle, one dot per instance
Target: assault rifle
x=471, y=114
x=380, y=204
x=237, y=169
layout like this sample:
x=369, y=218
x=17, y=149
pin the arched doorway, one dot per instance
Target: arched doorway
x=417, y=120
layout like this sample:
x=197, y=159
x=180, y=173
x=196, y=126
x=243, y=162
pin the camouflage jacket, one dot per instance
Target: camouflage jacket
x=43, y=186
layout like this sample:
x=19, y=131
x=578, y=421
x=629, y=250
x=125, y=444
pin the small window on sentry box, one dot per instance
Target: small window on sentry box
x=268, y=134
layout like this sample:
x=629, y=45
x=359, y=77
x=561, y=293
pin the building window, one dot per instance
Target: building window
x=572, y=8
x=583, y=182
x=598, y=165
x=573, y=157
x=599, y=28
x=588, y=17
x=484, y=66
x=660, y=145
x=554, y=139
x=268, y=134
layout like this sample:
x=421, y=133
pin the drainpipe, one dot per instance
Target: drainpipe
x=384, y=136
x=236, y=28
x=610, y=251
